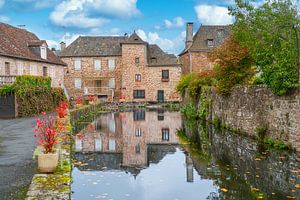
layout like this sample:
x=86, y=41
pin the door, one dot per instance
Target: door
x=160, y=96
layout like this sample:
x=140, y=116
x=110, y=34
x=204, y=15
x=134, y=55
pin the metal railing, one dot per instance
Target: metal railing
x=7, y=79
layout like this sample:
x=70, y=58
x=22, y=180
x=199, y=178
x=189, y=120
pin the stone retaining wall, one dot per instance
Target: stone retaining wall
x=252, y=107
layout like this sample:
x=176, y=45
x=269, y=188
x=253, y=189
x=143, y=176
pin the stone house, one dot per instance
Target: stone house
x=120, y=68
x=194, y=57
x=23, y=53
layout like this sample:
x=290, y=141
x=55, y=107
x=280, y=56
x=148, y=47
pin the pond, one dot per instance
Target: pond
x=157, y=155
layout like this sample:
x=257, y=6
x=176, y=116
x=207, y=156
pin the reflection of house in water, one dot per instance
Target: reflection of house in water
x=131, y=139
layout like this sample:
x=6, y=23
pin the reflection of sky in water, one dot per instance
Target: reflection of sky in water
x=162, y=181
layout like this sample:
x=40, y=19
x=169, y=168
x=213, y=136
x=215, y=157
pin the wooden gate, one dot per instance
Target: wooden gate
x=7, y=106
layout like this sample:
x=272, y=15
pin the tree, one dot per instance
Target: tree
x=270, y=32
x=233, y=65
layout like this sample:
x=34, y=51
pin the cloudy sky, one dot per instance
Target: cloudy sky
x=156, y=21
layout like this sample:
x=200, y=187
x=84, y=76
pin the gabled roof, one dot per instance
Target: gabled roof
x=157, y=57
x=17, y=43
x=216, y=33
x=134, y=39
x=111, y=46
x=94, y=46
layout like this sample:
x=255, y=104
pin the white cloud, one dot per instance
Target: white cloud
x=1, y=3
x=213, y=15
x=175, y=23
x=91, y=13
x=168, y=45
x=4, y=19
x=68, y=38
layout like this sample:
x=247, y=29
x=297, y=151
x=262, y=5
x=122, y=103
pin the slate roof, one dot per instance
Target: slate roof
x=208, y=32
x=17, y=43
x=111, y=46
x=94, y=46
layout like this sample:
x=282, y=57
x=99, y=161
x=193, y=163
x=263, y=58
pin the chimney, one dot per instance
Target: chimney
x=62, y=46
x=189, y=34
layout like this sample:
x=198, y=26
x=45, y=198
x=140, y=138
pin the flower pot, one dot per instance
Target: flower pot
x=47, y=162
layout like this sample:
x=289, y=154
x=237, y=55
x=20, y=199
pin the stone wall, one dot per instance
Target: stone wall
x=198, y=60
x=22, y=67
x=151, y=77
x=88, y=73
x=252, y=107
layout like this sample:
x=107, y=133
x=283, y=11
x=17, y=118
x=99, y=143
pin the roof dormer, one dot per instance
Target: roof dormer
x=39, y=47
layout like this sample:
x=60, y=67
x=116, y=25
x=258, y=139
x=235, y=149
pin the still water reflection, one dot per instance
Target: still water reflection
x=137, y=155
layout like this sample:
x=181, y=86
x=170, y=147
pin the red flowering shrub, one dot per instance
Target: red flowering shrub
x=79, y=100
x=92, y=98
x=47, y=131
x=61, y=109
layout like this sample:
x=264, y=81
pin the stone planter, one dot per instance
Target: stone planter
x=47, y=162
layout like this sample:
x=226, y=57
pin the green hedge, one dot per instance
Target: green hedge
x=35, y=100
x=38, y=81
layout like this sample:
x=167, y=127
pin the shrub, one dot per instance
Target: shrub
x=184, y=82
x=61, y=109
x=29, y=80
x=200, y=80
x=233, y=65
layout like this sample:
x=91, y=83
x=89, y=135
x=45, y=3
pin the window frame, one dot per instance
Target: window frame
x=163, y=77
x=75, y=86
x=210, y=42
x=139, y=94
x=164, y=132
x=138, y=78
x=77, y=60
x=137, y=60
x=100, y=64
x=113, y=60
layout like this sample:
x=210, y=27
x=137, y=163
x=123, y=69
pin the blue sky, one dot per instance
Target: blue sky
x=156, y=21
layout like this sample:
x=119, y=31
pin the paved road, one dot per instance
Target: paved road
x=16, y=164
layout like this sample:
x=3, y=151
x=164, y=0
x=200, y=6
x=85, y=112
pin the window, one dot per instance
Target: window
x=138, y=149
x=78, y=144
x=111, y=64
x=77, y=64
x=139, y=115
x=138, y=78
x=7, y=68
x=139, y=94
x=44, y=52
x=112, y=145
x=97, y=64
x=98, y=83
x=165, y=134
x=20, y=68
x=112, y=123
x=137, y=60
x=33, y=70
x=77, y=82
x=210, y=42
x=45, y=71
x=165, y=75
x=160, y=115
x=98, y=144
x=51, y=72
x=154, y=60
x=138, y=132
x=112, y=83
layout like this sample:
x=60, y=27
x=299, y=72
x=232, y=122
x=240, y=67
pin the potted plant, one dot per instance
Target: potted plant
x=47, y=131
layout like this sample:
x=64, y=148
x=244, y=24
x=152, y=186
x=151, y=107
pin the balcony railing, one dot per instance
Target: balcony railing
x=7, y=80
x=99, y=91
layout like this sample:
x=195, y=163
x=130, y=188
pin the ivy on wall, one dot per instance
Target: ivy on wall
x=34, y=94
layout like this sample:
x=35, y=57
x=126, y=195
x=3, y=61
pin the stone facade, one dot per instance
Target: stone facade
x=138, y=69
x=196, y=62
x=25, y=67
x=151, y=76
x=88, y=75
x=252, y=107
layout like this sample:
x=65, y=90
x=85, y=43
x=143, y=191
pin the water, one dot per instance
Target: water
x=137, y=155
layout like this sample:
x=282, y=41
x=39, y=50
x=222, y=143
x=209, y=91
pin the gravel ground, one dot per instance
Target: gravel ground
x=16, y=164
